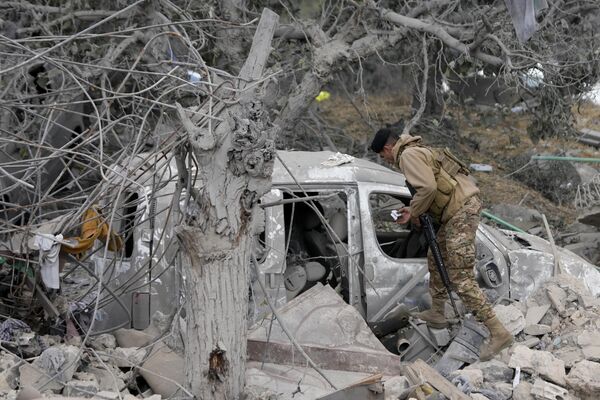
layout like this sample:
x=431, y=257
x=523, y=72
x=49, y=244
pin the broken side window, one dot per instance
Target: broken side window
x=316, y=232
x=395, y=240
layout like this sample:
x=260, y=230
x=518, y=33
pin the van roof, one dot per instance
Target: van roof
x=307, y=167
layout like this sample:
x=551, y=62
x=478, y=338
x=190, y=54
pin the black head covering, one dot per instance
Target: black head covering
x=380, y=139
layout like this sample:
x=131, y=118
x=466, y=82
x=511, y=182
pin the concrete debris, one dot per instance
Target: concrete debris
x=163, y=370
x=584, y=378
x=52, y=370
x=537, y=329
x=511, y=317
x=493, y=371
x=102, y=342
x=543, y=390
x=538, y=362
x=535, y=314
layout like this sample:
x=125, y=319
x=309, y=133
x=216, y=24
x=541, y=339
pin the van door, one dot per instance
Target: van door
x=395, y=269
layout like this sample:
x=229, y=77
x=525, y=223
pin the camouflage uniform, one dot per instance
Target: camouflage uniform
x=456, y=239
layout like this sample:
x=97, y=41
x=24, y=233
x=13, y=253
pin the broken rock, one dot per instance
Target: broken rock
x=511, y=317
x=537, y=329
x=55, y=366
x=126, y=357
x=538, y=362
x=535, y=314
x=584, y=377
x=109, y=380
x=543, y=390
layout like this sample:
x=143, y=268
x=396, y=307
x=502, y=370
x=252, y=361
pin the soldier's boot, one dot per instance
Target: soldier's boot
x=499, y=339
x=434, y=317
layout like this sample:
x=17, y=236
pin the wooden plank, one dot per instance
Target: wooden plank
x=324, y=357
x=437, y=381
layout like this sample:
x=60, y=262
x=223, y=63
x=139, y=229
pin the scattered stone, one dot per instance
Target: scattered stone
x=584, y=377
x=538, y=362
x=535, y=314
x=558, y=298
x=55, y=366
x=537, y=329
x=473, y=375
x=79, y=388
x=102, y=342
x=543, y=390
x=523, y=391
x=530, y=342
x=478, y=396
x=511, y=317
x=493, y=371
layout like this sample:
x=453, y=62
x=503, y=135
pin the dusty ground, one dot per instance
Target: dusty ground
x=489, y=136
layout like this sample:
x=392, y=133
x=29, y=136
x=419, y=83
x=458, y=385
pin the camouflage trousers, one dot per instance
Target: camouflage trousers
x=456, y=239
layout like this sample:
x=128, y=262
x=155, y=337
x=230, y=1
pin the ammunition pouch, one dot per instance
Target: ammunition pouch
x=446, y=167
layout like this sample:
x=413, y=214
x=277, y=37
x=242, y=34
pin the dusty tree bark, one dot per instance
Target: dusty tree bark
x=235, y=166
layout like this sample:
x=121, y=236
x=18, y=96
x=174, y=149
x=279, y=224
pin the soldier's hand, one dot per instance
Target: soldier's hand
x=404, y=217
x=415, y=221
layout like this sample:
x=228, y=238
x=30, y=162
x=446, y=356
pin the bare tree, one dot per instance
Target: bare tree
x=148, y=82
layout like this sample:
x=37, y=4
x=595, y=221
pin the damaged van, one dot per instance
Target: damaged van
x=327, y=219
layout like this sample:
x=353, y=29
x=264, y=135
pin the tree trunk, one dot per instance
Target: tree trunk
x=216, y=304
x=234, y=159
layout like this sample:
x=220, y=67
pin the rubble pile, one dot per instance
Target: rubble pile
x=556, y=354
x=127, y=364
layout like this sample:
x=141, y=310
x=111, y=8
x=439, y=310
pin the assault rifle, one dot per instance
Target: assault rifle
x=427, y=224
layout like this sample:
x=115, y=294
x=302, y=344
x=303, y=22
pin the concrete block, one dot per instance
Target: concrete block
x=537, y=329
x=543, y=390
x=511, y=317
x=584, y=377
x=535, y=314
x=538, y=362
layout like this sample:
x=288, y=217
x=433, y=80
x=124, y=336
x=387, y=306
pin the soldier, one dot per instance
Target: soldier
x=444, y=191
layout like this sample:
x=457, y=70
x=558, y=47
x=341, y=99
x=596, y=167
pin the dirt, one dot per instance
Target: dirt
x=485, y=135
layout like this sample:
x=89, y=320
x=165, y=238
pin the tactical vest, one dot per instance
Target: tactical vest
x=445, y=168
